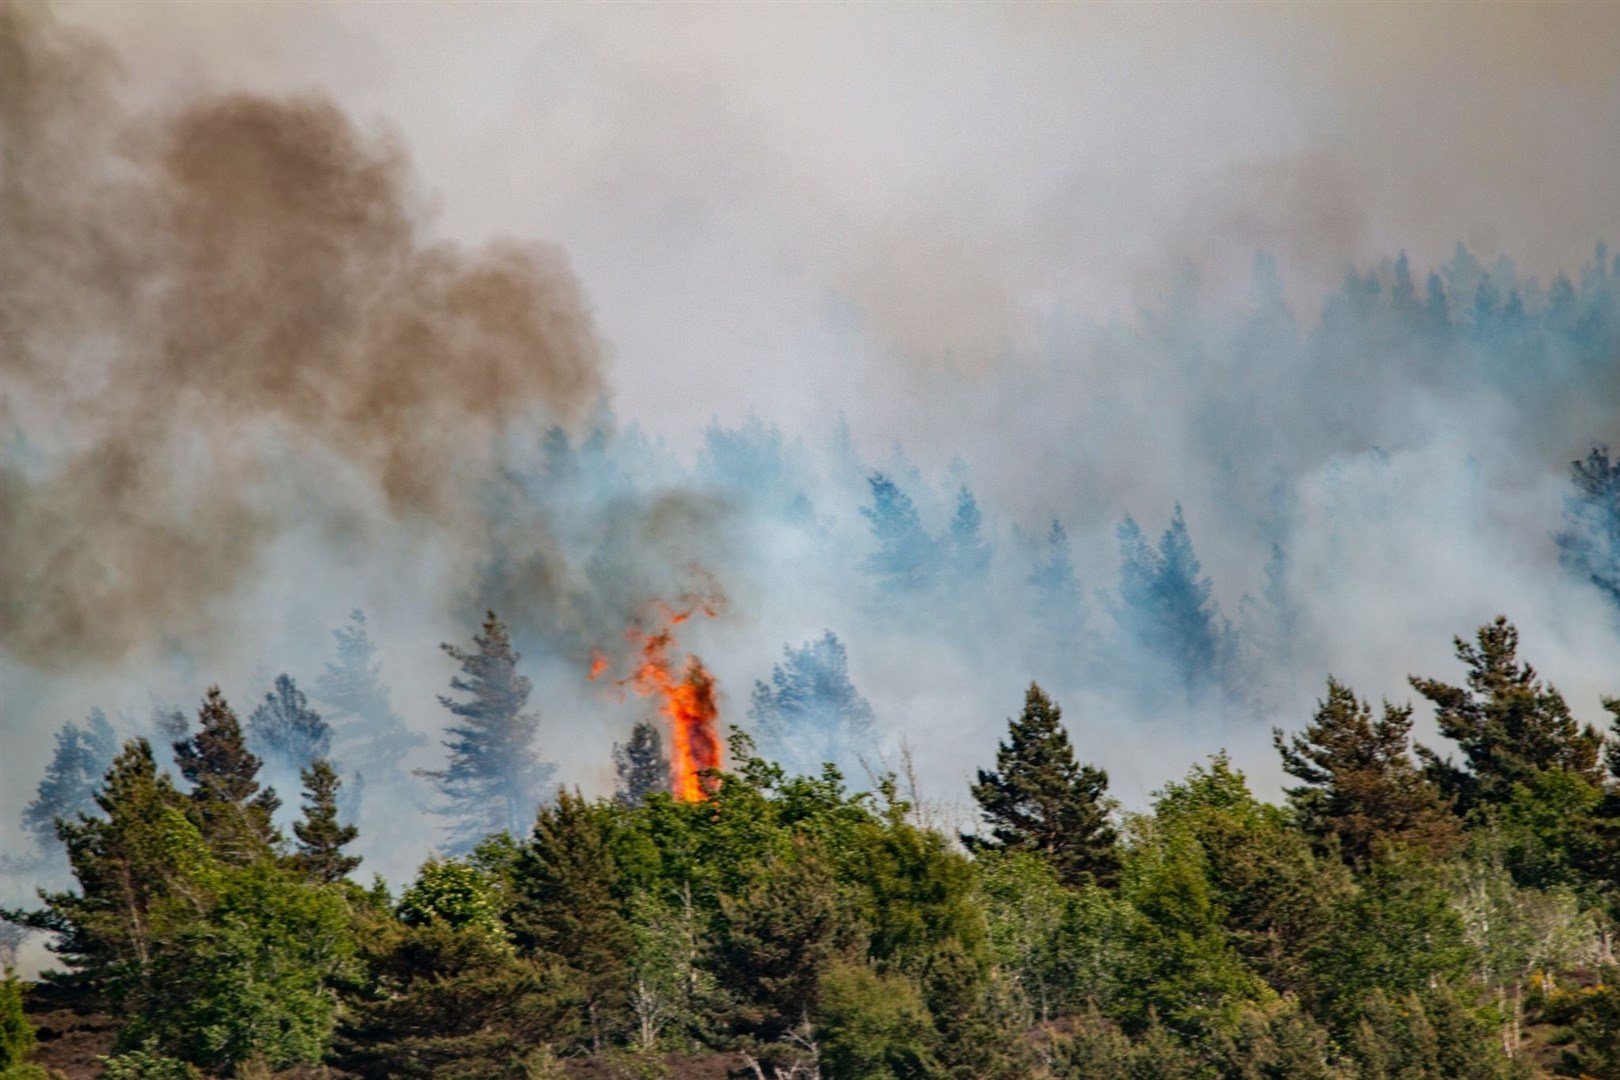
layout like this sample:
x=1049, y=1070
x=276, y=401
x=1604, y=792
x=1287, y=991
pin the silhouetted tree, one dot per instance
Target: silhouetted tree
x=494, y=777
x=810, y=713
x=968, y=553
x=286, y=732
x=1165, y=604
x=640, y=764
x=82, y=757
x=1589, y=545
x=907, y=558
x=368, y=730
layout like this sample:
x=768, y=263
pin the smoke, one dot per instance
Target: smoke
x=260, y=365
x=196, y=303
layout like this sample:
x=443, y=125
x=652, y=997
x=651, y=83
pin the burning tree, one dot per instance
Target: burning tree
x=493, y=778
x=686, y=699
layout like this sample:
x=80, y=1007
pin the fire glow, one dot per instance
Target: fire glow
x=686, y=700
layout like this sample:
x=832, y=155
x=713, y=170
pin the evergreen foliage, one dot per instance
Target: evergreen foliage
x=1166, y=608
x=969, y=553
x=1041, y=800
x=321, y=838
x=82, y=757
x=1510, y=725
x=810, y=712
x=1364, y=930
x=1589, y=545
x=285, y=732
x=367, y=729
x=907, y=558
x=1360, y=787
x=494, y=776
x=640, y=764
x=226, y=803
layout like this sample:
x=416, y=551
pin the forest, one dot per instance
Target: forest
x=1409, y=911
x=1194, y=690
x=792, y=906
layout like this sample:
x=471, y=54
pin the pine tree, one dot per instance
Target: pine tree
x=127, y=860
x=907, y=558
x=640, y=764
x=367, y=727
x=493, y=780
x=82, y=758
x=810, y=713
x=565, y=878
x=1589, y=546
x=321, y=838
x=286, y=732
x=1165, y=605
x=1509, y=724
x=968, y=552
x=1040, y=800
x=226, y=803
x=1360, y=783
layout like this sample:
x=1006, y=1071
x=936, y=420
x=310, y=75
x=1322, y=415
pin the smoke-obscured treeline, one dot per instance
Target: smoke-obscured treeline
x=1424, y=909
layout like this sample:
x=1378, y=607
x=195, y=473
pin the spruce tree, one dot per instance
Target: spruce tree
x=1510, y=725
x=82, y=758
x=640, y=764
x=1361, y=786
x=286, y=732
x=1041, y=800
x=367, y=729
x=907, y=557
x=494, y=777
x=810, y=713
x=969, y=554
x=1589, y=546
x=321, y=838
x=566, y=877
x=226, y=802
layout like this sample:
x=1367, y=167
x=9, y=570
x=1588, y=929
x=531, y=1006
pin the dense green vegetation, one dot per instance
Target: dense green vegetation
x=1403, y=914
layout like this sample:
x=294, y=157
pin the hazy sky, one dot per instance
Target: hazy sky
x=790, y=208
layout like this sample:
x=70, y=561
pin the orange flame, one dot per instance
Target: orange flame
x=687, y=701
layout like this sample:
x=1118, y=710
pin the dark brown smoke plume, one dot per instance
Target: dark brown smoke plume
x=189, y=301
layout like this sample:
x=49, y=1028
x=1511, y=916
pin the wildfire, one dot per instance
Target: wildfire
x=686, y=699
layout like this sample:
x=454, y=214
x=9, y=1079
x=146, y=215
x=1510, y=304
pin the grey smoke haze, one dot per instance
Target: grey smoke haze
x=278, y=340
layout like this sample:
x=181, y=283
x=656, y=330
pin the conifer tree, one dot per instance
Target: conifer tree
x=969, y=554
x=1510, y=725
x=367, y=727
x=565, y=878
x=286, y=732
x=1589, y=546
x=494, y=777
x=127, y=860
x=640, y=764
x=907, y=558
x=1166, y=605
x=82, y=758
x=810, y=713
x=321, y=838
x=1039, y=799
x=1360, y=783
x=226, y=802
